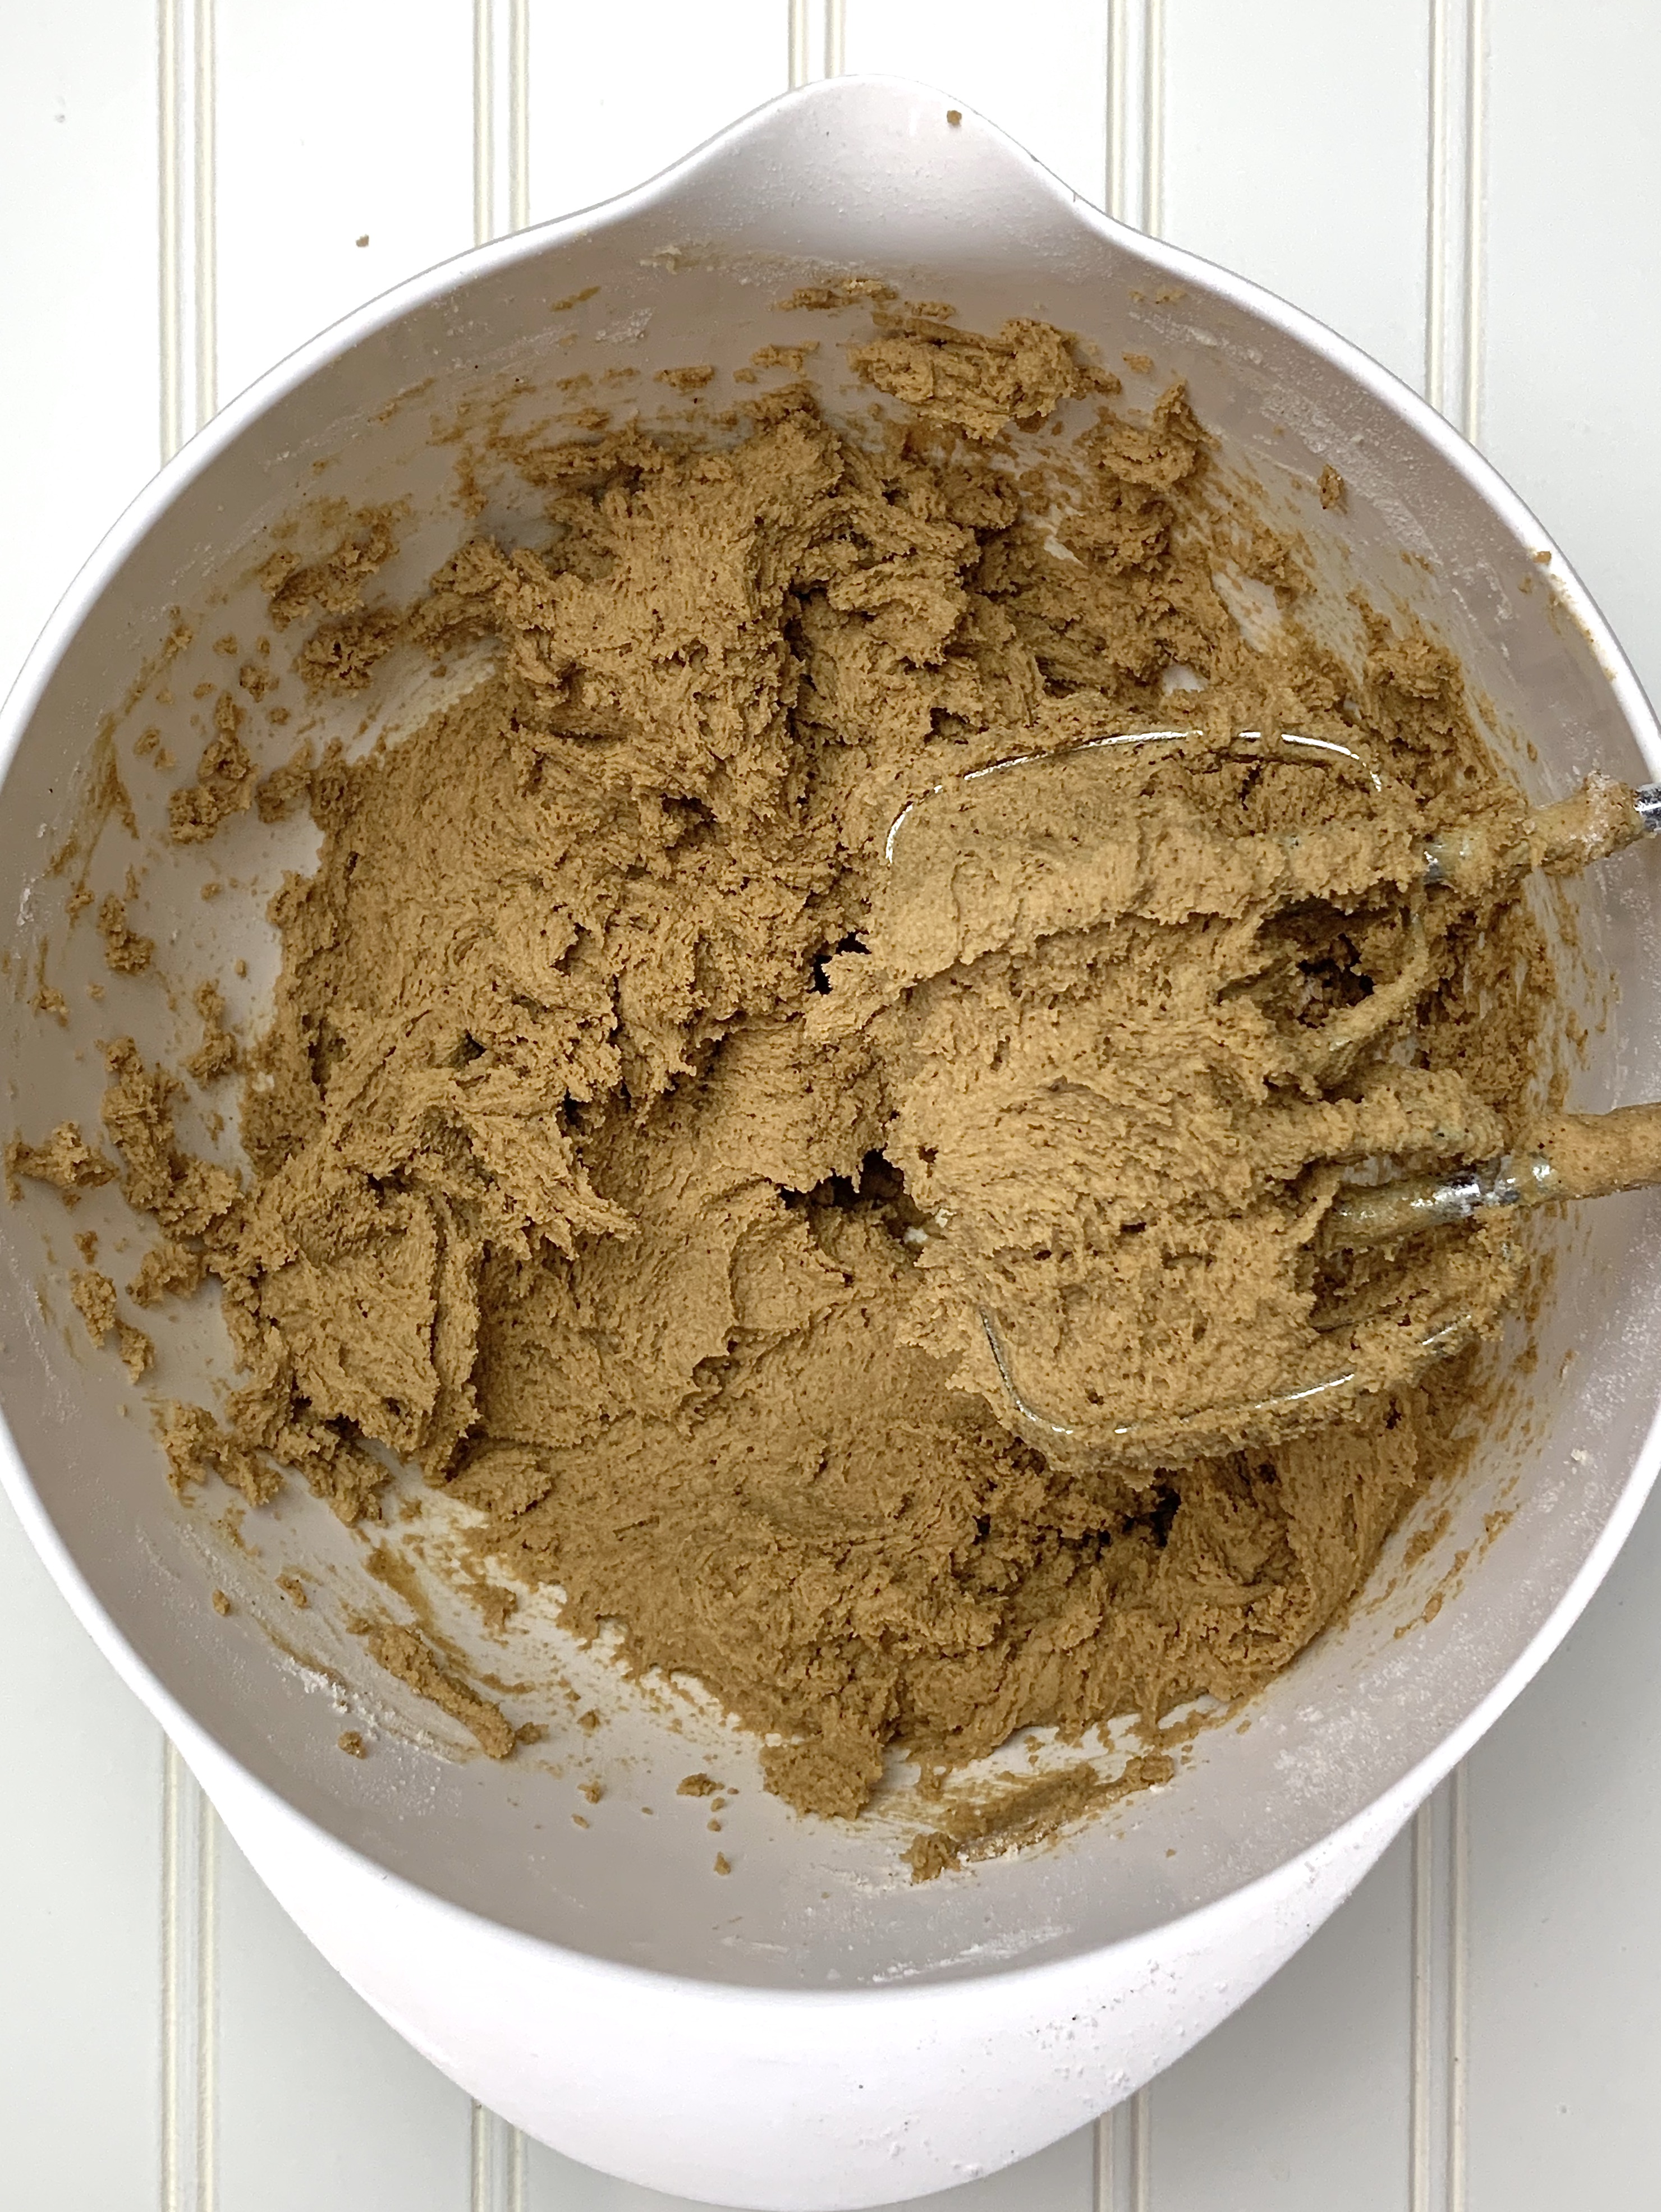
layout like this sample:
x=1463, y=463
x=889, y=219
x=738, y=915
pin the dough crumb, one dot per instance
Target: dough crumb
x=342, y=655
x=693, y=378
x=224, y=784
x=333, y=585
x=95, y=1301
x=496, y=1604
x=276, y=795
x=979, y=385
x=791, y=357
x=403, y=1653
x=1335, y=492
x=167, y=1270
x=222, y=1604
x=351, y=1742
x=218, y=1055
x=94, y=1295
x=125, y=952
x=136, y=1352
x=846, y=292
x=1028, y=1814
x=196, y=1446
x=187, y=1196
x=66, y=1163
x=723, y=1865
x=697, y=1786
x=294, y=1589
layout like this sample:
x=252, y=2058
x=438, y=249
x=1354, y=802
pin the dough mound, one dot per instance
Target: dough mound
x=646, y=1127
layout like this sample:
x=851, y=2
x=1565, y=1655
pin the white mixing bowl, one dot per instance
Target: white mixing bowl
x=815, y=2030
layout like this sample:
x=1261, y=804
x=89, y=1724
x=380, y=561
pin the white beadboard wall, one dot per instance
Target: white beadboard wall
x=1468, y=188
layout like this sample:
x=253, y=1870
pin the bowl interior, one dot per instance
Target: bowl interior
x=866, y=177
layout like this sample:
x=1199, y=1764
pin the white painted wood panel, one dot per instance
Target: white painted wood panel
x=80, y=1937
x=81, y=1845
x=1571, y=320
x=78, y=357
x=1310, y=2082
x=1565, y=2032
x=170, y=2043
x=618, y=93
x=319, y=2104
x=333, y=123
x=1295, y=149
x=1565, y=1959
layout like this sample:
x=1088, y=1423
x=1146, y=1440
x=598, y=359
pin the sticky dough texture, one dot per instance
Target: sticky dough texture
x=638, y=1148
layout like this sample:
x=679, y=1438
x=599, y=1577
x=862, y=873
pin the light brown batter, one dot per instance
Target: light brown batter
x=643, y=1138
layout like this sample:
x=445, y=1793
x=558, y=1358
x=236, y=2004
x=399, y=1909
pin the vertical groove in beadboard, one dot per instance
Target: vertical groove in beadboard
x=187, y=259
x=1122, y=2172
x=1453, y=384
x=1120, y=69
x=1459, y=1995
x=187, y=253
x=189, y=1989
x=519, y=114
x=206, y=253
x=498, y=2164
x=1135, y=112
x=501, y=203
x=1453, y=289
x=1440, y=1920
x=168, y=216
x=796, y=41
x=1476, y=254
x=501, y=118
x=485, y=152
x=1135, y=104
x=207, y=2001
x=1154, y=120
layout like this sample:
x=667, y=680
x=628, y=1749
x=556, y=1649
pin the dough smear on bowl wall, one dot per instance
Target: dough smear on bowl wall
x=742, y=895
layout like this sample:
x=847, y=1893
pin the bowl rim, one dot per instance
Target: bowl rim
x=824, y=106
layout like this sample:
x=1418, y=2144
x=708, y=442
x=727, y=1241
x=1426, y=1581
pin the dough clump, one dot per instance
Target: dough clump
x=646, y=1127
